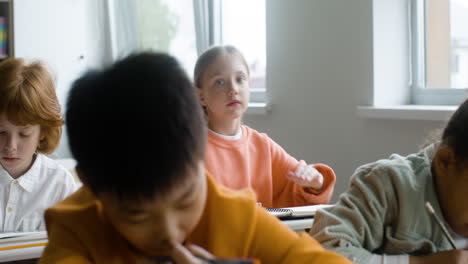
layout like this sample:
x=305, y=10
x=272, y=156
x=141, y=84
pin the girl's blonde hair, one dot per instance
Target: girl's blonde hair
x=209, y=56
x=27, y=97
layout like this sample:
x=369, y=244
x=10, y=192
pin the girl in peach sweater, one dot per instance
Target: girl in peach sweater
x=238, y=156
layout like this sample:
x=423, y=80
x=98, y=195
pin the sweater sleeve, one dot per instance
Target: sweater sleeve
x=273, y=242
x=310, y=196
x=63, y=247
x=355, y=226
x=287, y=193
x=389, y=259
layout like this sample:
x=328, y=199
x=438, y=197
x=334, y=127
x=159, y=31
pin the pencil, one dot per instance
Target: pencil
x=431, y=210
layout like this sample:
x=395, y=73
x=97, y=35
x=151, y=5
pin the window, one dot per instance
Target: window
x=243, y=25
x=168, y=26
x=440, y=51
x=184, y=29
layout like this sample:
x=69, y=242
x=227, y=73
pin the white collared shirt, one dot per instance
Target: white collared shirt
x=24, y=200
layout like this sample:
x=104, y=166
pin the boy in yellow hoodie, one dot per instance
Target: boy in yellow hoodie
x=138, y=135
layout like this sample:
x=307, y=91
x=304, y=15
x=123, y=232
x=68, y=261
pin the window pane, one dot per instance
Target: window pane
x=168, y=26
x=459, y=34
x=447, y=43
x=243, y=26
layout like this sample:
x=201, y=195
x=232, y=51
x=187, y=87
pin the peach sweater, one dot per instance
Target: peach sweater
x=231, y=226
x=256, y=161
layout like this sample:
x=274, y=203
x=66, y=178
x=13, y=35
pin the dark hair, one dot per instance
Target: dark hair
x=455, y=134
x=135, y=128
x=209, y=56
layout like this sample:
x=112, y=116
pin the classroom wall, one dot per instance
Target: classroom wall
x=320, y=68
x=69, y=36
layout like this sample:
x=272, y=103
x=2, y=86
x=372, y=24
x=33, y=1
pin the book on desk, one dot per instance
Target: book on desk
x=9, y=241
x=22, y=245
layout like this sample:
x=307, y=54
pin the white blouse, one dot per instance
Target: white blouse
x=24, y=200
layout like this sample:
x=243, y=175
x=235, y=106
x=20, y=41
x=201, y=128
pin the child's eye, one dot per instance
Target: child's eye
x=185, y=205
x=219, y=82
x=24, y=135
x=134, y=221
x=241, y=80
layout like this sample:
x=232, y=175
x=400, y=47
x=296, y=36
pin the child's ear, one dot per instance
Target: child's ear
x=444, y=160
x=42, y=136
x=201, y=96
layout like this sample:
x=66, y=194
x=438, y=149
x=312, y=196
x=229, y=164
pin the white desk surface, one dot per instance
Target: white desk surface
x=36, y=252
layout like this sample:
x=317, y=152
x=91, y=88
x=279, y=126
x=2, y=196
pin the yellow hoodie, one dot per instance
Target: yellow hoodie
x=232, y=226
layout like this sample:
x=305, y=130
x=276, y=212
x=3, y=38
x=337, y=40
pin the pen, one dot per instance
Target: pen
x=430, y=209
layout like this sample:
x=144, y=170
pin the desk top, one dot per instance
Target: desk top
x=298, y=225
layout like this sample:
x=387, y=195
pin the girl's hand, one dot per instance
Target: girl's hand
x=450, y=256
x=191, y=254
x=306, y=176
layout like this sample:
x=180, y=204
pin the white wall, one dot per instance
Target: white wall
x=320, y=68
x=68, y=35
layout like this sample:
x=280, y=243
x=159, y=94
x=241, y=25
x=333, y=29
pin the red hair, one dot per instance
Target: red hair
x=27, y=97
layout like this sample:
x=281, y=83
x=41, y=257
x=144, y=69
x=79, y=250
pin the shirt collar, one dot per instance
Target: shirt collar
x=236, y=136
x=430, y=151
x=5, y=177
x=28, y=180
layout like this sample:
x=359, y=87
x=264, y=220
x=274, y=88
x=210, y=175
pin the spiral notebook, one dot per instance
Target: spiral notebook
x=297, y=212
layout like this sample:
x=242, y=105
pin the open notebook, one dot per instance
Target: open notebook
x=297, y=212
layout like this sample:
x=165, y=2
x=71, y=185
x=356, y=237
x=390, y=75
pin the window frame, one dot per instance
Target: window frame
x=258, y=96
x=420, y=94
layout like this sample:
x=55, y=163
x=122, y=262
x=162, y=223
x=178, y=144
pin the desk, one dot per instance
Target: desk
x=299, y=225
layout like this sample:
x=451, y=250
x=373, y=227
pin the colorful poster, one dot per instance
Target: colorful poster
x=3, y=38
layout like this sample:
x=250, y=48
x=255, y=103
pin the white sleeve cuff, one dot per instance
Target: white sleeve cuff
x=389, y=259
